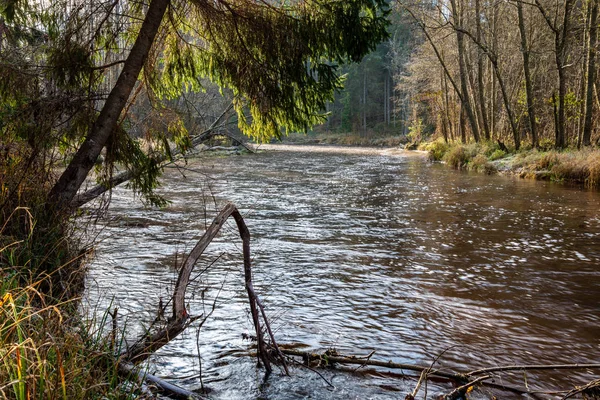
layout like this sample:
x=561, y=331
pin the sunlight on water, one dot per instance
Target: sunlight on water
x=361, y=250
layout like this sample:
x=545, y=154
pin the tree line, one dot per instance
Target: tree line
x=523, y=72
x=519, y=71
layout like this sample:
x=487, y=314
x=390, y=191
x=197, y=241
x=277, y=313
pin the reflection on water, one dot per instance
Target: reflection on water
x=363, y=250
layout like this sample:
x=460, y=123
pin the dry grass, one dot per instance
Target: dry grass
x=46, y=351
x=578, y=167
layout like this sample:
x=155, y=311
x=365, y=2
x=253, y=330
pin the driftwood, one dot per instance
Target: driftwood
x=131, y=372
x=181, y=317
x=463, y=381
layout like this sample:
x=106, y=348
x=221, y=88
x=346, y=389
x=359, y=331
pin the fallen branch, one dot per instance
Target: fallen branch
x=330, y=359
x=590, y=389
x=539, y=367
x=460, y=391
x=129, y=371
x=467, y=380
x=181, y=318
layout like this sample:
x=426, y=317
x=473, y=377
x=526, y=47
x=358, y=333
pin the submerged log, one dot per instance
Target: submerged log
x=131, y=372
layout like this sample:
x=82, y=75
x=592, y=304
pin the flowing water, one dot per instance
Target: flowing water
x=362, y=250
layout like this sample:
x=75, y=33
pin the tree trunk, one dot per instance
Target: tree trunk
x=463, y=73
x=591, y=75
x=507, y=106
x=480, y=87
x=364, y=121
x=71, y=179
x=560, y=50
x=528, y=82
x=560, y=140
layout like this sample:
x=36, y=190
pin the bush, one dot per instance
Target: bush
x=497, y=154
x=457, y=157
x=436, y=149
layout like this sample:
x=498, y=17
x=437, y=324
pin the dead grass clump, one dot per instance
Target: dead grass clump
x=582, y=167
x=480, y=163
x=593, y=178
x=547, y=161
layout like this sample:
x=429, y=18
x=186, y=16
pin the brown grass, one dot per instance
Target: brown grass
x=572, y=166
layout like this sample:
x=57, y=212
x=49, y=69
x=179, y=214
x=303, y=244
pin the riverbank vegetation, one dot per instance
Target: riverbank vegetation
x=574, y=167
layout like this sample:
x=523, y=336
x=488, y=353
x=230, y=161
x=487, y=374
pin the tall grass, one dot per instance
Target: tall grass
x=46, y=350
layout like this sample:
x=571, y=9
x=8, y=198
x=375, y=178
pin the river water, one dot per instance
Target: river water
x=361, y=250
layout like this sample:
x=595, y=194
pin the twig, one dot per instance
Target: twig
x=113, y=331
x=462, y=390
x=593, y=386
x=532, y=367
x=367, y=358
x=313, y=370
x=423, y=376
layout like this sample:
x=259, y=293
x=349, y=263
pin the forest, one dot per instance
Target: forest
x=463, y=71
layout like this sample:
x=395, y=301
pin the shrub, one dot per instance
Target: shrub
x=497, y=154
x=436, y=149
x=480, y=163
x=457, y=157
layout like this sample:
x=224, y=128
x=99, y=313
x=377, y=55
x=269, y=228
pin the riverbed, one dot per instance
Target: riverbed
x=361, y=250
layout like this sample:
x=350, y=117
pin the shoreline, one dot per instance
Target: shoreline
x=572, y=167
x=566, y=166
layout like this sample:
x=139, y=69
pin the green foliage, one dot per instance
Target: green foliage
x=497, y=154
x=436, y=149
x=281, y=64
x=457, y=157
x=415, y=130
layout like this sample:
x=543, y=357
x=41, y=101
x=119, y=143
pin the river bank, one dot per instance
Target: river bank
x=569, y=166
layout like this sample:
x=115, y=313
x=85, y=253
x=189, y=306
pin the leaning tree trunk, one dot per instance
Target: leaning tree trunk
x=71, y=179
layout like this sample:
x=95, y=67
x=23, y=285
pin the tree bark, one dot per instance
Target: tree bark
x=480, y=86
x=527, y=72
x=72, y=178
x=591, y=74
x=457, y=14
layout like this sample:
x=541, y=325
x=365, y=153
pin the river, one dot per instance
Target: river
x=361, y=250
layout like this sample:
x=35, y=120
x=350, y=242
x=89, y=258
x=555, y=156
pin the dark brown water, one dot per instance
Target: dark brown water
x=359, y=251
